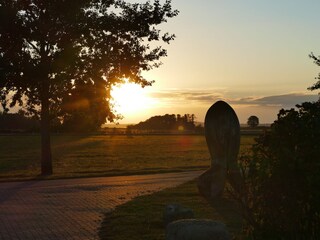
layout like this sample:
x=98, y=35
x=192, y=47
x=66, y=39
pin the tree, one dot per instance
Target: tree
x=53, y=51
x=253, y=121
x=317, y=84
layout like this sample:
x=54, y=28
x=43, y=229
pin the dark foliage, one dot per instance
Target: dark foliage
x=316, y=60
x=280, y=197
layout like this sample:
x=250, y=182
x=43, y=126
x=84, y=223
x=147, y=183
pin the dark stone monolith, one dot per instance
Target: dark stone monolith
x=222, y=132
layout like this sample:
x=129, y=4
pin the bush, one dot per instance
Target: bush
x=280, y=196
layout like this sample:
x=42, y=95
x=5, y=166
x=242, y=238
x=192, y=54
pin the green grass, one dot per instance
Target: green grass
x=82, y=156
x=141, y=218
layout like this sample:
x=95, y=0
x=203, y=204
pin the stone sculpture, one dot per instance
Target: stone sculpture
x=222, y=132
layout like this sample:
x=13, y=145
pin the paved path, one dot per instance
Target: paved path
x=73, y=208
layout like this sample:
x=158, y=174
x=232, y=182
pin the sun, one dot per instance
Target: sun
x=130, y=99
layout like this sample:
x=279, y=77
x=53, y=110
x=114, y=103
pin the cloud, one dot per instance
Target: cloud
x=186, y=96
x=284, y=100
x=202, y=97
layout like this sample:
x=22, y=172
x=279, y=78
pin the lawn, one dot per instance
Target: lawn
x=100, y=155
x=141, y=218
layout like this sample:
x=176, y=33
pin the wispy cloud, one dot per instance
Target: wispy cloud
x=186, y=96
x=208, y=97
x=283, y=100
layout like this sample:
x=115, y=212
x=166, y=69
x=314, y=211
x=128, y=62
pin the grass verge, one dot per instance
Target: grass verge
x=141, y=218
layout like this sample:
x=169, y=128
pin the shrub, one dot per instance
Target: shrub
x=280, y=195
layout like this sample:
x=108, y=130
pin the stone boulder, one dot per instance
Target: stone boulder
x=193, y=229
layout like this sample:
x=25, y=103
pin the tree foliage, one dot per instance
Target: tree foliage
x=280, y=197
x=76, y=44
x=253, y=121
x=56, y=55
x=316, y=60
x=84, y=109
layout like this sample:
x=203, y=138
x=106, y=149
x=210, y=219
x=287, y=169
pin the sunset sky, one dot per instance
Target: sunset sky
x=252, y=54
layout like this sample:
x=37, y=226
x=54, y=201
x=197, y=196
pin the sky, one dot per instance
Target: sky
x=251, y=54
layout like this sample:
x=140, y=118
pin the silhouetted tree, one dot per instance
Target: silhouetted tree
x=253, y=121
x=317, y=84
x=193, y=117
x=48, y=49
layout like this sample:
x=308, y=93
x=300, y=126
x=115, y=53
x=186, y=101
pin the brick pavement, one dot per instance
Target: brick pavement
x=72, y=208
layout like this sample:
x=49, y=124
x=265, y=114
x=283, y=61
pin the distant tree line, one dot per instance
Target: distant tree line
x=21, y=122
x=168, y=122
x=17, y=122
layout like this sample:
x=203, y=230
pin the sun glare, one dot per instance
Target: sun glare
x=130, y=99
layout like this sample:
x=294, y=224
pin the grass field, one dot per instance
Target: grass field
x=77, y=156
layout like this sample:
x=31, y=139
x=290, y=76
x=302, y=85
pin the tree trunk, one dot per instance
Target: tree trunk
x=46, y=159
